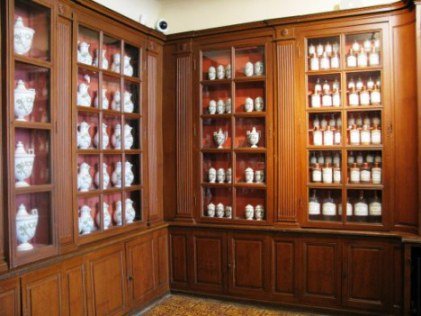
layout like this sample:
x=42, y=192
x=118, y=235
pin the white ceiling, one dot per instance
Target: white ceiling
x=189, y=15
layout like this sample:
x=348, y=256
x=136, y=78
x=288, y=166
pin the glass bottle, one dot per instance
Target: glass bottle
x=365, y=173
x=335, y=61
x=364, y=97
x=328, y=49
x=359, y=121
x=354, y=135
x=329, y=207
x=316, y=173
x=337, y=173
x=375, y=208
x=348, y=208
x=362, y=59
x=375, y=96
x=351, y=84
x=361, y=207
x=376, y=135
x=314, y=63
x=356, y=46
x=336, y=98
x=311, y=49
x=351, y=158
x=313, y=159
x=332, y=121
x=370, y=84
x=314, y=206
x=328, y=137
x=378, y=158
x=366, y=120
x=326, y=99
x=318, y=86
x=375, y=119
x=320, y=49
x=337, y=159
x=335, y=85
x=324, y=62
x=369, y=158
x=376, y=173
x=337, y=136
x=316, y=122
x=323, y=123
x=351, y=120
x=374, y=57
x=351, y=60
x=353, y=98
x=327, y=173
x=315, y=100
x=367, y=45
x=359, y=159
x=317, y=137
x=365, y=135
x=339, y=122
x=321, y=159
x=326, y=86
x=328, y=159
x=354, y=174
x=359, y=85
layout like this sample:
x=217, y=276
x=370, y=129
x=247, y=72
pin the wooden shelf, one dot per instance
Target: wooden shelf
x=250, y=114
x=216, y=185
x=88, y=109
x=132, y=116
x=89, y=194
x=364, y=186
x=216, y=116
x=32, y=125
x=250, y=79
x=315, y=185
x=363, y=69
x=364, y=108
x=324, y=148
x=134, y=80
x=33, y=61
x=246, y=150
x=88, y=151
x=216, y=150
x=112, y=113
x=216, y=82
x=89, y=67
x=336, y=71
x=132, y=188
x=364, y=147
x=110, y=74
x=132, y=151
x=330, y=109
x=260, y=186
x=34, y=189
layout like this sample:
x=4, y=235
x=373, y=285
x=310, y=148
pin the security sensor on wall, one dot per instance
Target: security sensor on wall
x=162, y=25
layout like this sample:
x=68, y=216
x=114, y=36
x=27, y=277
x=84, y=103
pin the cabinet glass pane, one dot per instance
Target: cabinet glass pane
x=111, y=55
x=325, y=205
x=217, y=202
x=364, y=89
x=89, y=215
x=88, y=173
x=363, y=50
x=250, y=168
x=132, y=135
x=132, y=207
x=216, y=65
x=250, y=204
x=325, y=129
x=88, y=45
x=365, y=168
x=131, y=100
x=324, y=91
x=113, y=166
x=250, y=133
x=250, y=62
x=364, y=128
x=88, y=136
x=32, y=30
x=364, y=206
x=112, y=210
x=217, y=168
x=131, y=61
x=323, y=53
x=216, y=99
x=250, y=97
x=216, y=133
x=32, y=93
x=132, y=170
x=325, y=168
x=111, y=94
x=114, y=132
x=33, y=221
x=88, y=84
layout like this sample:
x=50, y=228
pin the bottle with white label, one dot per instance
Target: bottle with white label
x=369, y=158
x=316, y=173
x=351, y=120
x=353, y=98
x=375, y=96
x=375, y=119
x=326, y=86
x=314, y=209
x=367, y=45
x=376, y=173
x=348, y=208
x=321, y=159
x=317, y=137
x=374, y=57
x=351, y=84
x=337, y=175
x=318, y=86
x=328, y=137
x=354, y=135
x=324, y=62
x=335, y=61
x=364, y=97
x=366, y=121
x=359, y=85
x=356, y=46
x=365, y=135
x=327, y=173
x=337, y=136
x=329, y=207
x=359, y=121
x=354, y=173
x=314, y=63
x=327, y=99
x=323, y=123
x=332, y=121
x=320, y=49
x=351, y=158
x=336, y=98
x=361, y=208
x=337, y=159
x=376, y=135
x=339, y=122
x=375, y=209
x=311, y=49
x=362, y=59
x=351, y=60
x=365, y=173
x=313, y=159
x=328, y=49
x=370, y=84
x=359, y=159
x=315, y=100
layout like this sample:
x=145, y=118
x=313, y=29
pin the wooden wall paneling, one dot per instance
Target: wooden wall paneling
x=106, y=279
x=10, y=297
x=285, y=112
x=178, y=259
x=209, y=264
x=398, y=277
x=404, y=128
x=320, y=273
x=285, y=268
x=418, y=61
x=161, y=250
x=74, y=287
x=154, y=135
x=249, y=265
x=64, y=112
x=184, y=107
x=367, y=275
x=42, y=292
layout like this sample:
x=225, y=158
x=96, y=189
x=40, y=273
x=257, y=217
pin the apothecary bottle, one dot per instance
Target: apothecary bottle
x=335, y=61
x=376, y=173
x=317, y=137
x=348, y=208
x=365, y=173
x=354, y=173
x=364, y=97
x=337, y=173
x=315, y=100
x=326, y=99
x=314, y=63
x=375, y=208
x=314, y=206
x=353, y=98
x=362, y=59
x=327, y=173
x=329, y=206
x=374, y=57
x=351, y=60
x=328, y=137
x=361, y=207
x=324, y=62
x=354, y=135
x=375, y=96
x=336, y=98
x=376, y=135
x=316, y=173
x=365, y=135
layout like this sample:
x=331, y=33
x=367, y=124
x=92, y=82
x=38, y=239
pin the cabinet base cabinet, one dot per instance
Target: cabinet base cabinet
x=336, y=273
x=10, y=297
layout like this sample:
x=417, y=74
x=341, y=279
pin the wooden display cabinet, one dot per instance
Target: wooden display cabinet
x=108, y=115
x=233, y=102
x=347, y=146
x=30, y=120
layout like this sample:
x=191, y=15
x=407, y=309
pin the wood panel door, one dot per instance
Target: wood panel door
x=74, y=287
x=161, y=259
x=209, y=261
x=42, y=292
x=285, y=268
x=141, y=268
x=249, y=264
x=367, y=275
x=107, y=281
x=9, y=297
x=178, y=259
x=321, y=272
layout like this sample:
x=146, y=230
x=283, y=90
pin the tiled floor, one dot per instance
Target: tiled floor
x=183, y=305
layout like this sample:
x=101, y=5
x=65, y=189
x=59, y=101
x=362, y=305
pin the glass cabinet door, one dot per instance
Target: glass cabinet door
x=31, y=143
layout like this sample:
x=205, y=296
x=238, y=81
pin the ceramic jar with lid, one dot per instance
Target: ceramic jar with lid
x=211, y=208
x=26, y=225
x=23, y=37
x=23, y=101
